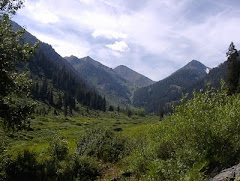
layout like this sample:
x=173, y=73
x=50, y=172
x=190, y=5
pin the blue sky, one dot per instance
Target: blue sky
x=153, y=37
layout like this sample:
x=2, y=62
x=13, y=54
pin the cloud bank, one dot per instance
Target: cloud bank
x=153, y=37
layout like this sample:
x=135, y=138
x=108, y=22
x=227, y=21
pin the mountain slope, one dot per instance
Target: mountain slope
x=115, y=88
x=132, y=76
x=55, y=80
x=168, y=90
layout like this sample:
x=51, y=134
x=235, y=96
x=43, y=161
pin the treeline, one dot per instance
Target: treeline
x=48, y=75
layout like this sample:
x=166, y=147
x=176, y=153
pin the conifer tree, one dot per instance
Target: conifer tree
x=59, y=101
x=118, y=109
x=50, y=97
x=104, y=105
x=233, y=69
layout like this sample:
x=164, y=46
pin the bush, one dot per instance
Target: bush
x=201, y=136
x=85, y=168
x=74, y=168
x=59, y=148
x=102, y=143
x=24, y=167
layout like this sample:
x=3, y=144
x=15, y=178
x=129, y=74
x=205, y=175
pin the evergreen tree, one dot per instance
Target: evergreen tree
x=35, y=90
x=65, y=110
x=110, y=108
x=44, y=89
x=118, y=109
x=129, y=113
x=161, y=113
x=104, y=105
x=50, y=98
x=233, y=69
x=59, y=101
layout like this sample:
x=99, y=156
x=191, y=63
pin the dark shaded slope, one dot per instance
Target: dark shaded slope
x=170, y=89
x=106, y=81
x=50, y=71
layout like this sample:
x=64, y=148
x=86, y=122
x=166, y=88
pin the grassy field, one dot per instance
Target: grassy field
x=199, y=138
x=47, y=128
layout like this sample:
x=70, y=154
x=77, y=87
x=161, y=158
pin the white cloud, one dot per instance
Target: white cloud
x=86, y=1
x=173, y=32
x=109, y=34
x=66, y=46
x=39, y=12
x=120, y=46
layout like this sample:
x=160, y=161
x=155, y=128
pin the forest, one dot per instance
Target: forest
x=57, y=126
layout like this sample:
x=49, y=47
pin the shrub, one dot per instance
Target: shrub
x=59, y=148
x=85, y=168
x=24, y=167
x=201, y=136
x=102, y=143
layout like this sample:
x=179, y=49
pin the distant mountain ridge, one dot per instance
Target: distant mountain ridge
x=165, y=92
x=132, y=76
x=115, y=88
x=117, y=85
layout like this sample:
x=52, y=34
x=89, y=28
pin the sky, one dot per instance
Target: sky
x=152, y=37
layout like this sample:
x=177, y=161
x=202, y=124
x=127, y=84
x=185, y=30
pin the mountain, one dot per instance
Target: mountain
x=132, y=76
x=116, y=89
x=55, y=81
x=212, y=79
x=166, y=92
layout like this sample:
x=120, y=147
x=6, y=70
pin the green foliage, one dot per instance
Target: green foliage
x=58, y=167
x=102, y=143
x=14, y=86
x=12, y=52
x=24, y=167
x=10, y=6
x=201, y=136
x=59, y=148
x=85, y=168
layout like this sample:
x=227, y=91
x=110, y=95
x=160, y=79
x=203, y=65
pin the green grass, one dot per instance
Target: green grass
x=201, y=136
x=46, y=128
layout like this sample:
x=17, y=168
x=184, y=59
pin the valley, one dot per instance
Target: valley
x=74, y=118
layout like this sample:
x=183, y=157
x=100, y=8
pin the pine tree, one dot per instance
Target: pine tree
x=233, y=69
x=104, y=105
x=65, y=110
x=59, y=101
x=161, y=113
x=129, y=113
x=118, y=109
x=111, y=108
x=35, y=91
x=44, y=89
x=50, y=98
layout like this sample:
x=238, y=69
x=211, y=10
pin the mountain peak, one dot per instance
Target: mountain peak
x=194, y=64
x=133, y=76
x=87, y=58
x=73, y=60
x=121, y=66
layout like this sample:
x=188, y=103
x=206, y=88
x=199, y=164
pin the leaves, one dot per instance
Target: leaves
x=15, y=108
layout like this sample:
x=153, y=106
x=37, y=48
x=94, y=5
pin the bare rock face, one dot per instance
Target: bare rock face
x=230, y=174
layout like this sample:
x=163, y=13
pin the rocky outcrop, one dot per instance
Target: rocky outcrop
x=230, y=174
